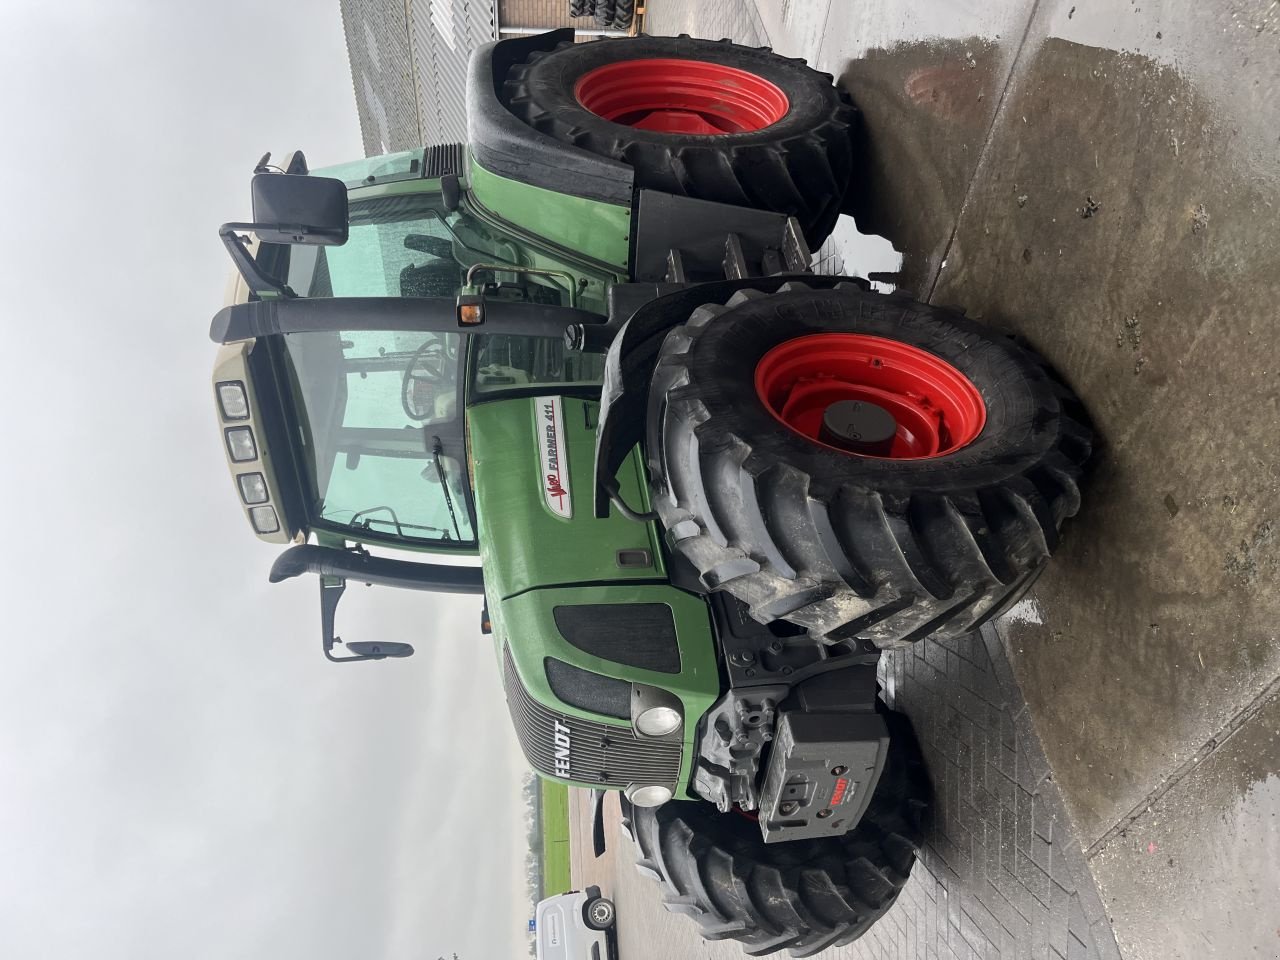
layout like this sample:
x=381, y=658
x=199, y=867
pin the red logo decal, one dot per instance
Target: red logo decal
x=838, y=794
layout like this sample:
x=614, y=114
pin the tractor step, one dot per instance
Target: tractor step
x=790, y=255
x=681, y=240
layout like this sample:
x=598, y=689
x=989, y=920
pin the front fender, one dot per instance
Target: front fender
x=633, y=353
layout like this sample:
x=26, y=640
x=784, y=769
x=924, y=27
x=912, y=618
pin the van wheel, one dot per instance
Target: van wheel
x=599, y=913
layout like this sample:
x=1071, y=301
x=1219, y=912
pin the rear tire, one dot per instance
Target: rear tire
x=848, y=546
x=604, y=13
x=795, y=157
x=803, y=895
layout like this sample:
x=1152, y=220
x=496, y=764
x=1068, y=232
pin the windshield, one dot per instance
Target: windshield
x=381, y=437
x=407, y=246
x=397, y=247
x=505, y=362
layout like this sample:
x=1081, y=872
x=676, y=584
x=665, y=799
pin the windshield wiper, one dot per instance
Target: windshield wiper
x=437, y=448
x=362, y=521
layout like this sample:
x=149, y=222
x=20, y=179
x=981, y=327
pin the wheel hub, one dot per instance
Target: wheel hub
x=859, y=427
x=669, y=95
x=870, y=396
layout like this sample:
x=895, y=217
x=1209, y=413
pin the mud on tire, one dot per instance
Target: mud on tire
x=890, y=550
x=804, y=895
x=799, y=165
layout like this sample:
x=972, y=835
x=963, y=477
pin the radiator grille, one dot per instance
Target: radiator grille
x=598, y=753
x=441, y=159
x=588, y=690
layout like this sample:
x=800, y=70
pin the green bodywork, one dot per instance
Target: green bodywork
x=573, y=223
x=533, y=559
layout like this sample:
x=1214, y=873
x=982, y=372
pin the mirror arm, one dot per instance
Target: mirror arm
x=236, y=246
x=331, y=591
x=330, y=594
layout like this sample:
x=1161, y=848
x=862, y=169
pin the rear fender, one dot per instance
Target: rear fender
x=505, y=145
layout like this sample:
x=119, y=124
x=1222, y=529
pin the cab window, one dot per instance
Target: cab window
x=382, y=440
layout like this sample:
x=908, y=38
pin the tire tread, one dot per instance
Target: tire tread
x=802, y=896
x=848, y=560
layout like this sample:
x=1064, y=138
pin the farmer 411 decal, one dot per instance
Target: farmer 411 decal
x=551, y=449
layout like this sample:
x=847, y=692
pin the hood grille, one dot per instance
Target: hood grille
x=598, y=753
x=442, y=159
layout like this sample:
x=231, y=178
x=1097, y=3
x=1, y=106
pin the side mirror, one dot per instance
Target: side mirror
x=330, y=594
x=376, y=651
x=297, y=209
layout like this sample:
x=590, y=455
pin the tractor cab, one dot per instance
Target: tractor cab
x=344, y=422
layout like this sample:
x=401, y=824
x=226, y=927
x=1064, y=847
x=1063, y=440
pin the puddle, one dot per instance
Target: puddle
x=1026, y=610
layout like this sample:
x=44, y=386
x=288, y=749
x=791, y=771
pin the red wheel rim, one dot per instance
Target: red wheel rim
x=681, y=96
x=936, y=409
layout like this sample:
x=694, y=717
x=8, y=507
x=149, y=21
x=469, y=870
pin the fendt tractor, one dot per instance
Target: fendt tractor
x=706, y=487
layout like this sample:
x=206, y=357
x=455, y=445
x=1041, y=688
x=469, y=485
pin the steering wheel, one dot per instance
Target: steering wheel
x=433, y=359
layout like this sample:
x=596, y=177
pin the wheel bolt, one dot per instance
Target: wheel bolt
x=839, y=771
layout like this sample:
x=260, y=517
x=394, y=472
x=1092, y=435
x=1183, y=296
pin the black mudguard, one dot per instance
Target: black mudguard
x=507, y=146
x=634, y=351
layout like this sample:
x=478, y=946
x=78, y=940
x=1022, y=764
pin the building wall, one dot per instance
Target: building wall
x=382, y=73
x=409, y=67
x=409, y=61
x=547, y=14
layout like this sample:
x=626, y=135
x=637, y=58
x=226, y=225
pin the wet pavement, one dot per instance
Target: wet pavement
x=1102, y=179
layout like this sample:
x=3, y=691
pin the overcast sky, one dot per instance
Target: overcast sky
x=181, y=772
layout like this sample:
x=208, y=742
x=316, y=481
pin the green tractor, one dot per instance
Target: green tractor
x=706, y=487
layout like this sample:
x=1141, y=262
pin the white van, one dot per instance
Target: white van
x=576, y=926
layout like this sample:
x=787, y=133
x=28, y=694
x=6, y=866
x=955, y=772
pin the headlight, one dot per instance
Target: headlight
x=658, y=721
x=253, y=488
x=241, y=446
x=232, y=400
x=652, y=795
x=264, y=519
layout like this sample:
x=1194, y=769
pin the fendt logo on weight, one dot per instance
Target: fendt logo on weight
x=563, y=744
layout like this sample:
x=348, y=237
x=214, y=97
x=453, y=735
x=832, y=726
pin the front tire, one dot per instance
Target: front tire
x=699, y=118
x=802, y=895
x=932, y=536
x=600, y=913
